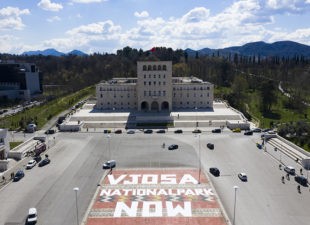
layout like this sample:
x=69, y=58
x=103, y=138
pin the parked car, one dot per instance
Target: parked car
x=257, y=130
x=148, y=131
x=243, y=176
x=290, y=170
x=109, y=164
x=19, y=175
x=173, y=147
x=31, y=164
x=161, y=131
x=178, y=131
x=196, y=131
x=236, y=130
x=44, y=162
x=272, y=132
x=210, y=146
x=215, y=171
x=118, y=132
x=50, y=131
x=301, y=180
x=248, y=132
x=266, y=129
x=32, y=216
x=218, y=130
x=107, y=131
x=37, y=158
x=131, y=132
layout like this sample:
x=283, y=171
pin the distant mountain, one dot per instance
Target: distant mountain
x=77, y=52
x=280, y=48
x=54, y=52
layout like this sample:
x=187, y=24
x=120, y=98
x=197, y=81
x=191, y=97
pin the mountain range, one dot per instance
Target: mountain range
x=280, y=48
x=54, y=52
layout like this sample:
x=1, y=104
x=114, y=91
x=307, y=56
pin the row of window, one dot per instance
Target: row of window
x=188, y=103
x=121, y=96
x=154, y=67
x=115, y=103
x=154, y=83
x=191, y=88
x=187, y=95
x=117, y=89
x=155, y=93
x=154, y=76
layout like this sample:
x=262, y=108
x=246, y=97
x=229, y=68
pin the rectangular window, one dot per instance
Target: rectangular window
x=164, y=75
x=144, y=82
x=149, y=75
x=208, y=94
x=187, y=103
x=154, y=83
x=144, y=75
x=144, y=93
x=164, y=82
x=154, y=75
x=208, y=88
x=159, y=93
x=101, y=96
x=187, y=95
x=201, y=95
x=150, y=83
x=159, y=82
x=154, y=93
x=150, y=93
x=158, y=75
x=194, y=94
x=173, y=94
x=164, y=93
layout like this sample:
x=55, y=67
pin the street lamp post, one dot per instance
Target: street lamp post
x=196, y=117
x=199, y=159
x=76, y=189
x=114, y=118
x=235, y=202
x=109, y=150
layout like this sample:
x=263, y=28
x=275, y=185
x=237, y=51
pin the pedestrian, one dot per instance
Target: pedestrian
x=300, y=171
x=3, y=179
x=12, y=175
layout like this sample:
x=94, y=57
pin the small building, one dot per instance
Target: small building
x=4, y=144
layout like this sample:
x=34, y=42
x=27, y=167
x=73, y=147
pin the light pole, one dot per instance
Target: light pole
x=235, y=202
x=199, y=159
x=76, y=189
x=114, y=118
x=196, y=117
x=109, y=151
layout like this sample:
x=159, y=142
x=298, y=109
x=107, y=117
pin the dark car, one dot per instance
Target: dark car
x=51, y=131
x=257, y=130
x=173, y=147
x=148, y=131
x=161, y=131
x=178, y=131
x=301, y=180
x=217, y=131
x=118, y=131
x=19, y=175
x=210, y=146
x=109, y=164
x=197, y=131
x=37, y=158
x=266, y=129
x=44, y=162
x=249, y=132
x=215, y=171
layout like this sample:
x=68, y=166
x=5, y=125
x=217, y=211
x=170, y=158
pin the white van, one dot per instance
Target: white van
x=290, y=170
x=32, y=216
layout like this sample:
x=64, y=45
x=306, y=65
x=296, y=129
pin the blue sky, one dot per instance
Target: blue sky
x=108, y=25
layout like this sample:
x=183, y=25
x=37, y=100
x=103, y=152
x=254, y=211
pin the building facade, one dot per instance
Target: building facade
x=154, y=89
x=19, y=80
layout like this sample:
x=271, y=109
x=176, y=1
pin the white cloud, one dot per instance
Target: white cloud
x=142, y=14
x=10, y=18
x=50, y=6
x=52, y=19
x=88, y=1
x=106, y=27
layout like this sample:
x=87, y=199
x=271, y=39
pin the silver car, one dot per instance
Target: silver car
x=31, y=164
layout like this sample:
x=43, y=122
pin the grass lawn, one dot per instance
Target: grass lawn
x=43, y=113
x=14, y=144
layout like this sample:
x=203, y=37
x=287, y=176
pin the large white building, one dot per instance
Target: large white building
x=154, y=89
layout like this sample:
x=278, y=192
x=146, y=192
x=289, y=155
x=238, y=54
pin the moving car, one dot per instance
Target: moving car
x=257, y=130
x=31, y=164
x=215, y=171
x=217, y=130
x=131, y=132
x=118, y=132
x=272, y=132
x=243, y=176
x=197, y=131
x=178, y=131
x=290, y=170
x=173, y=147
x=266, y=129
x=161, y=131
x=109, y=164
x=44, y=162
x=236, y=130
x=248, y=132
x=301, y=180
x=210, y=146
x=32, y=216
x=148, y=131
x=50, y=131
x=19, y=175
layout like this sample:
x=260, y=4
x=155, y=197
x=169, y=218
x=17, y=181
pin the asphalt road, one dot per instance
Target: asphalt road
x=77, y=158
